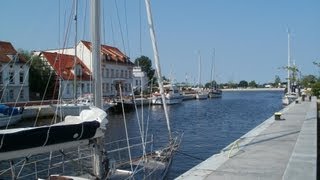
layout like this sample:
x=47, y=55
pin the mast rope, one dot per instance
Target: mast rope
x=125, y=126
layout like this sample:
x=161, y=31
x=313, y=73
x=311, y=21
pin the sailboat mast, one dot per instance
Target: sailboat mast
x=98, y=169
x=96, y=63
x=75, y=49
x=157, y=63
x=199, y=68
x=288, y=82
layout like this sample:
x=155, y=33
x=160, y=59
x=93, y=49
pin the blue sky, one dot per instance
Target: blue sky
x=249, y=36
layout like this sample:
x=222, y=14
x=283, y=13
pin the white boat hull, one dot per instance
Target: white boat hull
x=201, y=96
x=7, y=120
x=288, y=99
x=169, y=101
x=63, y=110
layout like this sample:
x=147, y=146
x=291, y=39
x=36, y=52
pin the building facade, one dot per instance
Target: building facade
x=72, y=77
x=140, y=79
x=116, y=67
x=14, y=75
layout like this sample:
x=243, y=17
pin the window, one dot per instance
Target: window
x=107, y=88
x=121, y=74
x=137, y=82
x=21, y=77
x=107, y=72
x=21, y=94
x=88, y=87
x=112, y=73
x=11, y=77
x=68, y=88
x=130, y=74
x=1, y=80
x=117, y=73
x=11, y=94
x=126, y=74
x=103, y=72
x=103, y=88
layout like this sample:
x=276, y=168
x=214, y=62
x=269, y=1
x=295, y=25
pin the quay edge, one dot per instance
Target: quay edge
x=291, y=142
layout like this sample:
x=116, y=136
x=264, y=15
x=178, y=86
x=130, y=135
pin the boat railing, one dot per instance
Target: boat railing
x=42, y=165
x=118, y=150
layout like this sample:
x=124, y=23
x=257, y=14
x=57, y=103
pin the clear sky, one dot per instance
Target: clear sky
x=249, y=36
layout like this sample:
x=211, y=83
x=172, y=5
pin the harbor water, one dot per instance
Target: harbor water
x=208, y=125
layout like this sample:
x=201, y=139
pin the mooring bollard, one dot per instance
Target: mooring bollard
x=277, y=116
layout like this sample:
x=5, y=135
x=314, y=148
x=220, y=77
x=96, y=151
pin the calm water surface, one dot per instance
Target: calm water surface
x=208, y=125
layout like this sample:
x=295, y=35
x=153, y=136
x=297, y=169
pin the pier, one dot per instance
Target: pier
x=276, y=149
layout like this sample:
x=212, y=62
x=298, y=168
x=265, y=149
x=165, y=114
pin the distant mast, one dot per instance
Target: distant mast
x=288, y=81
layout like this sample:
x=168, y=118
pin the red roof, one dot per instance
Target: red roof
x=7, y=49
x=112, y=52
x=63, y=65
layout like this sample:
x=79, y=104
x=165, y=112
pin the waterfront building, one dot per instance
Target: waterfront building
x=116, y=67
x=72, y=76
x=140, y=79
x=14, y=78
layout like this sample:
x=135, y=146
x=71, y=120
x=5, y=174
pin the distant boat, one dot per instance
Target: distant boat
x=200, y=92
x=172, y=95
x=214, y=91
x=9, y=115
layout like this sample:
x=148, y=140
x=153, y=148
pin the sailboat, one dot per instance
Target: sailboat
x=9, y=115
x=290, y=96
x=86, y=129
x=214, y=91
x=84, y=135
x=200, y=93
x=172, y=94
x=153, y=164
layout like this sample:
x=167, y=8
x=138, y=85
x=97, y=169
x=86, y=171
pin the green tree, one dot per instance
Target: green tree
x=316, y=89
x=243, y=84
x=277, y=81
x=253, y=84
x=146, y=65
x=41, y=78
x=308, y=81
x=211, y=84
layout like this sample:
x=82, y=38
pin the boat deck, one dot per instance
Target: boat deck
x=276, y=149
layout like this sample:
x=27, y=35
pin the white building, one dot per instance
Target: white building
x=14, y=79
x=116, y=68
x=140, y=79
x=73, y=79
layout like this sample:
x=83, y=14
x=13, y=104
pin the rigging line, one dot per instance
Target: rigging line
x=149, y=110
x=125, y=126
x=19, y=92
x=121, y=33
x=44, y=93
x=126, y=23
x=140, y=28
x=103, y=24
x=139, y=124
x=77, y=164
x=85, y=20
x=190, y=156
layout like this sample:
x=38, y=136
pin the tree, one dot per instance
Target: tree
x=316, y=89
x=146, y=65
x=211, y=84
x=41, y=77
x=243, y=84
x=308, y=81
x=253, y=84
x=277, y=81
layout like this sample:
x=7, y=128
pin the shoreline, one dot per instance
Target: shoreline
x=254, y=89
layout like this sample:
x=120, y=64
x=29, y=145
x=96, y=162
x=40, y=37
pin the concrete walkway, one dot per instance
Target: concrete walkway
x=282, y=149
